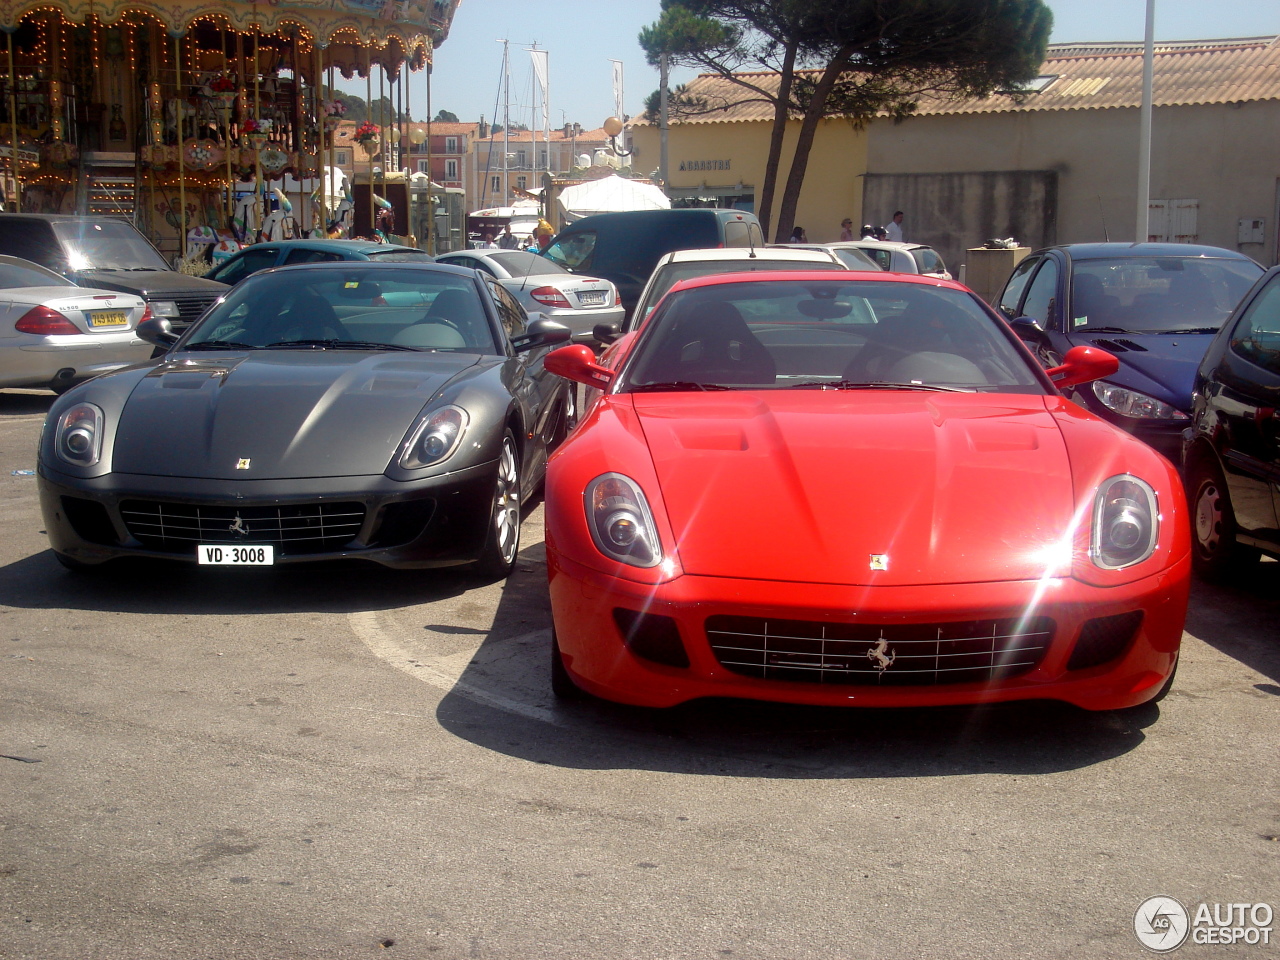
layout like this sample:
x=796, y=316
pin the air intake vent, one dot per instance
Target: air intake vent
x=1104, y=639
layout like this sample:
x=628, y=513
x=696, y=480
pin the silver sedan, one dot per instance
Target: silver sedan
x=54, y=334
x=544, y=287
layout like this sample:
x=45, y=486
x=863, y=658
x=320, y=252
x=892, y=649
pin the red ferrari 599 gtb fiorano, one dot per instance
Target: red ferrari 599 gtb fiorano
x=855, y=489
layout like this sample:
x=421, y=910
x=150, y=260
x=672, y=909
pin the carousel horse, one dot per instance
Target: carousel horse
x=278, y=224
x=385, y=220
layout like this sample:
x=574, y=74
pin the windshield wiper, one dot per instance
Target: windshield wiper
x=337, y=345
x=874, y=385
x=676, y=385
x=1102, y=330
x=140, y=269
x=1188, y=330
x=219, y=345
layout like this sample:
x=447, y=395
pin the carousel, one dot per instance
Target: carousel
x=206, y=122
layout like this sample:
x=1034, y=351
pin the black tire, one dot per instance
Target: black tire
x=566, y=418
x=562, y=685
x=502, y=543
x=1168, y=684
x=1215, y=553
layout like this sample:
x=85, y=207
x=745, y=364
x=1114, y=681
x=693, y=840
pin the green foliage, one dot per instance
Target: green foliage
x=444, y=116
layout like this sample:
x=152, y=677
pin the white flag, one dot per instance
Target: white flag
x=540, y=73
x=617, y=90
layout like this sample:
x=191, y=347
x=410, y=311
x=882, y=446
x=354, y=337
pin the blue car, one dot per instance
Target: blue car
x=283, y=253
x=1155, y=306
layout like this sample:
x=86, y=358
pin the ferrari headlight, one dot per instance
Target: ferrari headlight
x=79, y=437
x=436, y=438
x=1131, y=403
x=1126, y=522
x=620, y=522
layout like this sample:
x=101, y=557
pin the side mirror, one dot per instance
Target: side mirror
x=606, y=332
x=157, y=330
x=541, y=333
x=1027, y=329
x=1082, y=365
x=578, y=363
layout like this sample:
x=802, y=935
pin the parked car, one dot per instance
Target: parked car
x=54, y=334
x=684, y=264
x=543, y=286
x=900, y=257
x=851, y=257
x=625, y=247
x=391, y=412
x=1232, y=454
x=285, y=253
x=107, y=253
x=1155, y=306
x=833, y=489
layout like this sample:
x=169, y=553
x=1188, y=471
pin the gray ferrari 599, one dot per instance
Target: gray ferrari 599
x=394, y=412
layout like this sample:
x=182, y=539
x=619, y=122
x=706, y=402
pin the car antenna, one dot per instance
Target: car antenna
x=751, y=239
x=1103, y=214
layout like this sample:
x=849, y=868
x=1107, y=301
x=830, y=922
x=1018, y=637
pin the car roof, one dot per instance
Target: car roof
x=745, y=253
x=879, y=244
x=824, y=276
x=1097, y=251
x=430, y=265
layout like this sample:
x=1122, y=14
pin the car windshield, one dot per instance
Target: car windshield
x=349, y=306
x=672, y=273
x=1157, y=294
x=106, y=245
x=400, y=256
x=30, y=275
x=811, y=334
x=520, y=264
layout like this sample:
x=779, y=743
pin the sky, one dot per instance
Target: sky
x=583, y=36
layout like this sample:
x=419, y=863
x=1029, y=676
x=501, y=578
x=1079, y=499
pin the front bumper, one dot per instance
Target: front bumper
x=29, y=360
x=584, y=600
x=1165, y=436
x=437, y=522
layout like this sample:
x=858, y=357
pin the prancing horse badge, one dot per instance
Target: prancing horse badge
x=242, y=464
x=879, y=561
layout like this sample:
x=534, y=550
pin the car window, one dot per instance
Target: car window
x=1153, y=294
x=248, y=261
x=855, y=259
x=927, y=260
x=311, y=256
x=883, y=258
x=107, y=244
x=1040, y=296
x=400, y=256
x=778, y=334
x=510, y=313
x=31, y=240
x=1015, y=284
x=355, y=303
x=737, y=233
x=18, y=275
x=521, y=264
x=1257, y=334
x=573, y=252
x=672, y=273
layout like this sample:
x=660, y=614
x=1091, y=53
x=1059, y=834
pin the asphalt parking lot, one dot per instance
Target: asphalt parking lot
x=345, y=761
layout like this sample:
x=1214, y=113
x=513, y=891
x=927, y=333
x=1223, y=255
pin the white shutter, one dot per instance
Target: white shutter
x=1158, y=221
x=1183, y=217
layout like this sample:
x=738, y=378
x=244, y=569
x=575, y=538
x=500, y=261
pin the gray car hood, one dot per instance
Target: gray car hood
x=272, y=415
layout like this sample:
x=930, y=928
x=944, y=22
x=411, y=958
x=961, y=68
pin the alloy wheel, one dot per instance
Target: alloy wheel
x=506, y=504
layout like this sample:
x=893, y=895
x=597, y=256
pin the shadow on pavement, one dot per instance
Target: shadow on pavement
x=1242, y=619
x=753, y=739
x=22, y=403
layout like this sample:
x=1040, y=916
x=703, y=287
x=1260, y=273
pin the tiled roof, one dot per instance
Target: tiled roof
x=1084, y=76
x=557, y=136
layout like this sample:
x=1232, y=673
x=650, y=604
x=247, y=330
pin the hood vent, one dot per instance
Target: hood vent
x=1120, y=346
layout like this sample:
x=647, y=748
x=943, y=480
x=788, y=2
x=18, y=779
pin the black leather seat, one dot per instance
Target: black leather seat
x=712, y=344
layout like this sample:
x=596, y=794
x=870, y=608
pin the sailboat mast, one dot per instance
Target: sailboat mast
x=506, y=122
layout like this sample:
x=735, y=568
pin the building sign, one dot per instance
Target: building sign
x=705, y=164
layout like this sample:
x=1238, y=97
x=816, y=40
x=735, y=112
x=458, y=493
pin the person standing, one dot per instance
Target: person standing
x=508, y=240
x=894, y=227
x=797, y=236
x=846, y=229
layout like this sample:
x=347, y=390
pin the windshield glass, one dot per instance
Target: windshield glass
x=30, y=275
x=351, y=305
x=520, y=264
x=855, y=259
x=672, y=273
x=574, y=251
x=1153, y=294
x=805, y=333
x=400, y=256
x=106, y=245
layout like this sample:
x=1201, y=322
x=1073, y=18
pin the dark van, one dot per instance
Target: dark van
x=108, y=253
x=625, y=247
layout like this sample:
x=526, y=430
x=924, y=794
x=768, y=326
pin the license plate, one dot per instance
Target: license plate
x=108, y=318
x=591, y=298
x=225, y=555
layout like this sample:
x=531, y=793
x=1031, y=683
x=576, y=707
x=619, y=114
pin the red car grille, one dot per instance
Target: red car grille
x=879, y=655
x=296, y=528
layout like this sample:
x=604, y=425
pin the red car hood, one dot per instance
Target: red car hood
x=812, y=486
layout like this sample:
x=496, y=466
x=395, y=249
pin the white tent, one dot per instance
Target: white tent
x=610, y=194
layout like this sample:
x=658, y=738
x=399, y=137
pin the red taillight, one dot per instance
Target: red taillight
x=146, y=313
x=550, y=296
x=44, y=321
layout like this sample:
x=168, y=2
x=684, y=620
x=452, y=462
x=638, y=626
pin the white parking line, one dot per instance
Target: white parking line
x=445, y=673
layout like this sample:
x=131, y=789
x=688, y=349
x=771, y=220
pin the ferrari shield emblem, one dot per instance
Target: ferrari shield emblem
x=242, y=464
x=879, y=561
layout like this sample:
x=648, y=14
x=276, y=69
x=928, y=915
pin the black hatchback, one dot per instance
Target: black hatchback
x=1231, y=457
